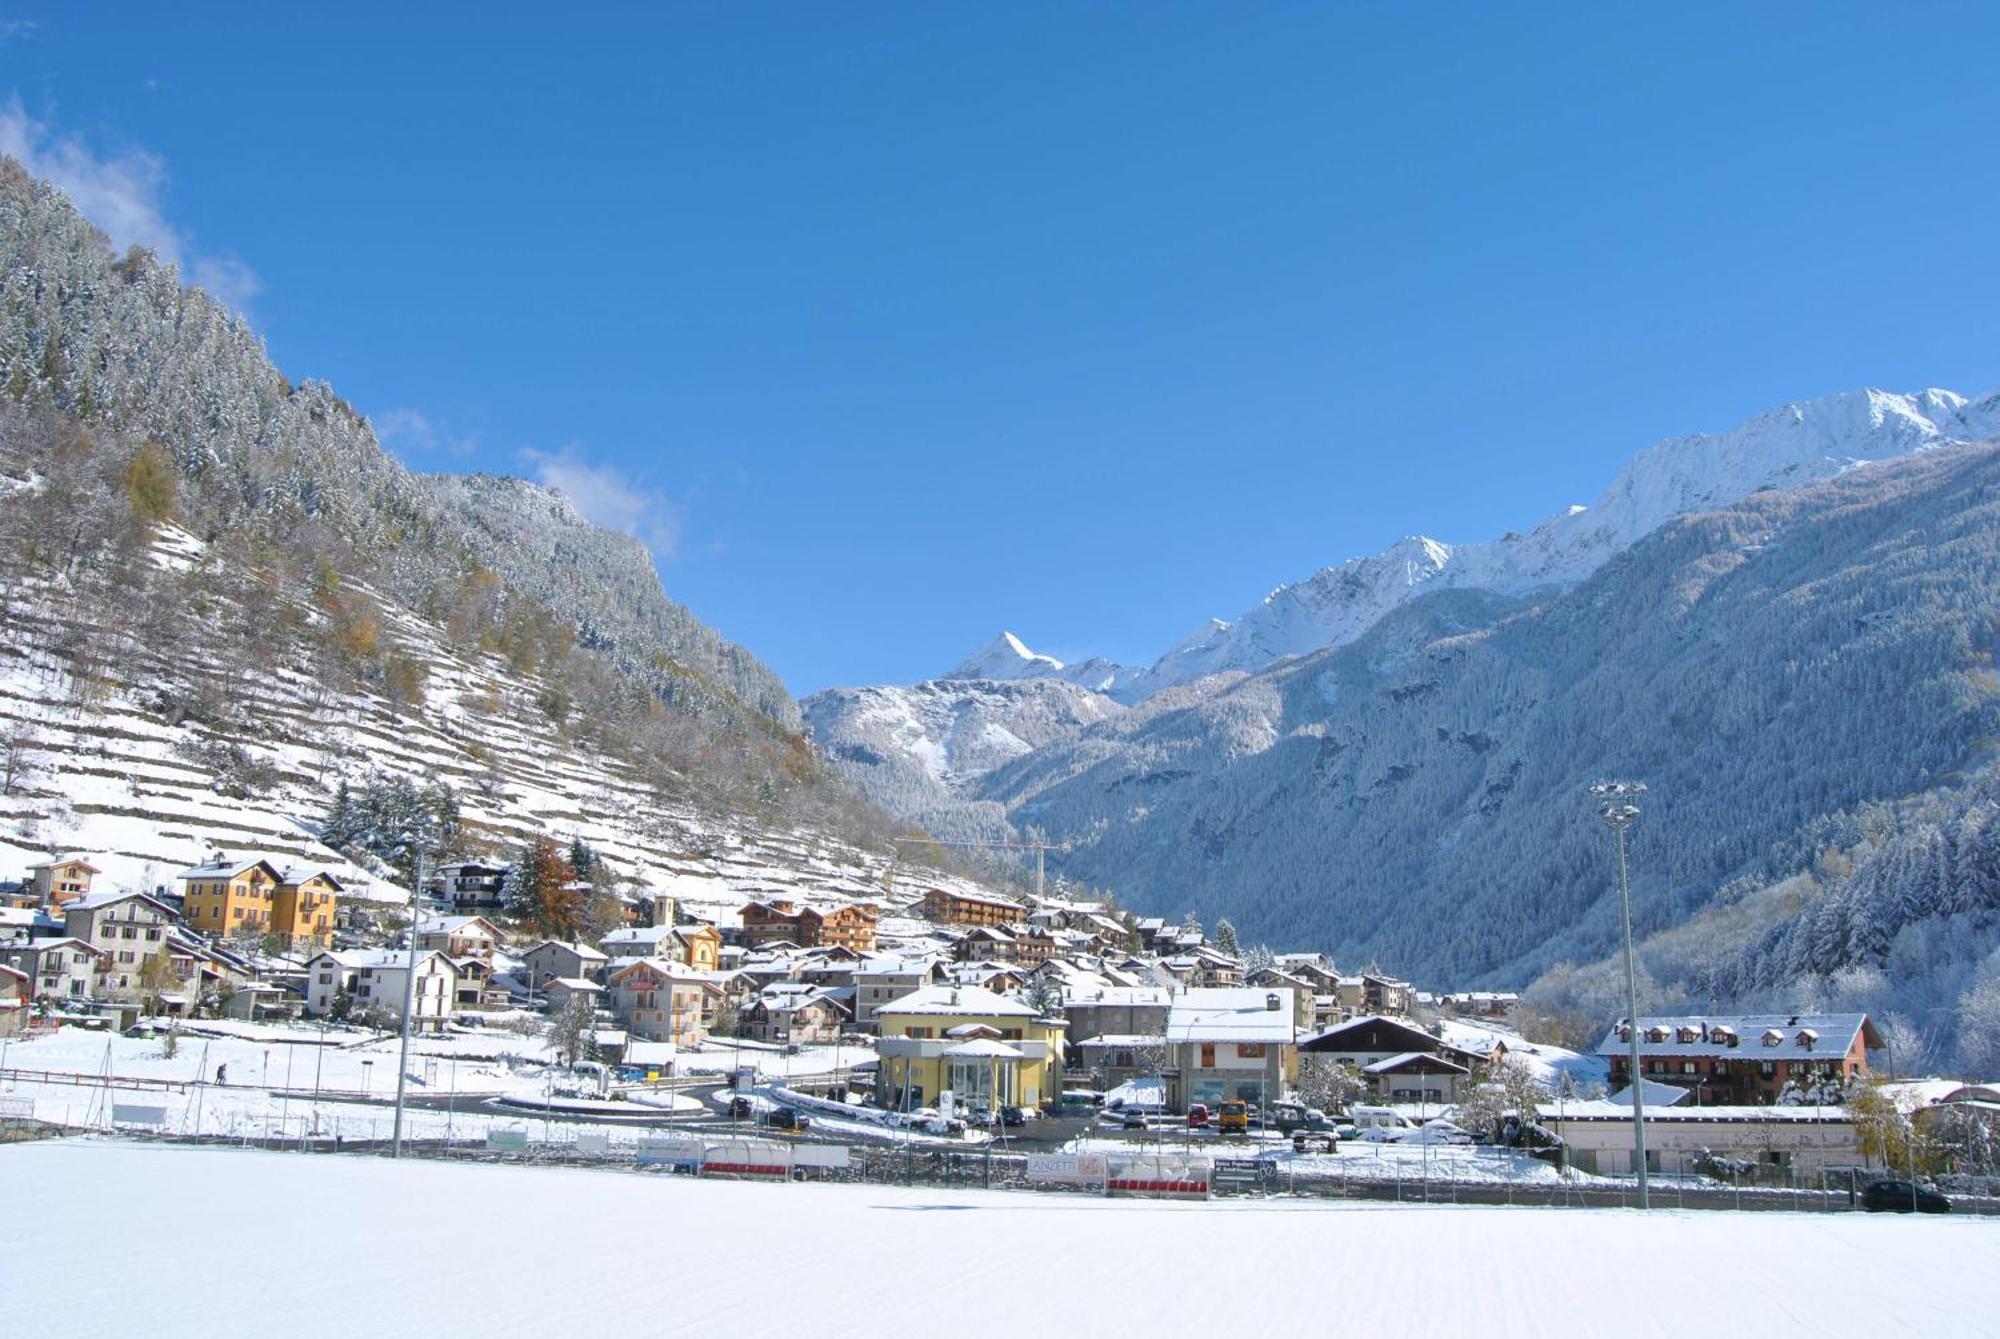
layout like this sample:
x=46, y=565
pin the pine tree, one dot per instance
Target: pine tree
x=537, y=890
x=1225, y=937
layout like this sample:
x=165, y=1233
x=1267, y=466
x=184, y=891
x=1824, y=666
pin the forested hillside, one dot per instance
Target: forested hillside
x=119, y=343
x=190, y=538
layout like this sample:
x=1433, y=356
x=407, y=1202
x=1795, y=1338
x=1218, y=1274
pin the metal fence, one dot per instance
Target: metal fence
x=1349, y=1174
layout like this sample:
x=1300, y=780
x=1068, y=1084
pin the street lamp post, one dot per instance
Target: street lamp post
x=1617, y=808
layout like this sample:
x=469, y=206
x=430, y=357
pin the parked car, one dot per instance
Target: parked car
x=1011, y=1116
x=1901, y=1197
x=1308, y=1141
x=741, y=1108
x=1197, y=1117
x=1438, y=1131
x=787, y=1118
x=1233, y=1118
x=932, y=1121
x=1290, y=1116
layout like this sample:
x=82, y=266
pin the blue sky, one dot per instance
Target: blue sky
x=889, y=326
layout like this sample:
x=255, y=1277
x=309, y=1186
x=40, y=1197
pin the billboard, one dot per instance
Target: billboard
x=1068, y=1169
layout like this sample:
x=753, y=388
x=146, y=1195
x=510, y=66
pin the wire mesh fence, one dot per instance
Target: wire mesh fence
x=1469, y=1176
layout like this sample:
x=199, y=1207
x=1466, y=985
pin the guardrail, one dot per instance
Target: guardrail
x=79, y=1080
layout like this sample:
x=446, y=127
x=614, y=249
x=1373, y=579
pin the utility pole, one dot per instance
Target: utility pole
x=409, y=998
x=1618, y=811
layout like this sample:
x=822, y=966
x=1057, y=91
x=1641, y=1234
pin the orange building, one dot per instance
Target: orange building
x=302, y=907
x=230, y=896
x=62, y=880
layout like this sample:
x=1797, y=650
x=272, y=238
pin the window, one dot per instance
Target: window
x=1688, y=1067
x=1249, y=1050
x=1208, y=1055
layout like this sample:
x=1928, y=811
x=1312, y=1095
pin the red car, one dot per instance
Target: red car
x=1198, y=1116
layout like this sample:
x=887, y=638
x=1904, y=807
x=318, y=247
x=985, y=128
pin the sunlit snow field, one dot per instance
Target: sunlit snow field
x=404, y=1249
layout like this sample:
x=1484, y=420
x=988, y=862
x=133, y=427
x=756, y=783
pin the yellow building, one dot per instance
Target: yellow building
x=230, y=896
x=302, y=907
x=701, y=947
x=981, y=1047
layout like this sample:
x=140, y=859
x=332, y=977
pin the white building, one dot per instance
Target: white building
x=889, y=976
x=377, y=977
x=1230, y=1042
x=128, y=927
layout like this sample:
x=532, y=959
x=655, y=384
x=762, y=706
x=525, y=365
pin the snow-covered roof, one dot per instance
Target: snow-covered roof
x=228, y=868
x=896, y=964
x=982, y=1048
x=650, y=1052
x=639, y=934
x=583, y=951
x=452, y=925
x=1122, y=997
x=1606, y=1110
x=1234, y=1013
x=1652, y=1094
x=377, y=959
x=1758, y=1036
x=957, y=1000
x=296, y=874
x=1415, y=1062
x=69, y=858
x=98, y=901
x=575, y=983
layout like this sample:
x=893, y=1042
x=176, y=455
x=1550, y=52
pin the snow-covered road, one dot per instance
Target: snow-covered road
x=874, y=1260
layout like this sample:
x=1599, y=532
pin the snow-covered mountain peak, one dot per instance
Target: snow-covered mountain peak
x=1781, y=448
x=1005, y=657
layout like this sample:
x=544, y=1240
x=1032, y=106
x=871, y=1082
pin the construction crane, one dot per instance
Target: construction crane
x=1038, y=847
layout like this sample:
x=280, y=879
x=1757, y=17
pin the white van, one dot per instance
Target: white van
x=1378, y=1123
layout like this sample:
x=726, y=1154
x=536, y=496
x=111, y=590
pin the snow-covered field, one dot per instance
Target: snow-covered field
x=880, y=1260
x=271, y=1073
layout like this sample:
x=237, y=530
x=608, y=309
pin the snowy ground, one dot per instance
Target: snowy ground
x=720, y=1057
x=273, y=1073
x=892, y=1261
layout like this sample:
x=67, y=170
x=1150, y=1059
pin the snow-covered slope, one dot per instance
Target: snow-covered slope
x=928, y=744
x=1783, y=448
x=1774, y=670
x=909, y=747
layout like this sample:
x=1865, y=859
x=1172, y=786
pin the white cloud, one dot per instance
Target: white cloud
x=412, y=432
x=121, y=195
x=612, y=497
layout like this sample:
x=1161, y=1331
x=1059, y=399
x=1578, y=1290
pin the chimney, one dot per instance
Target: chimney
x=1271, y=1000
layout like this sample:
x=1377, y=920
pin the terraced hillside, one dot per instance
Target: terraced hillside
x=104, y=756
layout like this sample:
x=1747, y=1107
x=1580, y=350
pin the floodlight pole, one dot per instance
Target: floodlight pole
x=1618, y=813
x=409, y=998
